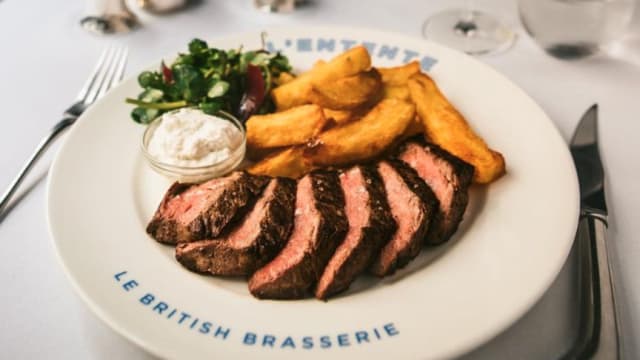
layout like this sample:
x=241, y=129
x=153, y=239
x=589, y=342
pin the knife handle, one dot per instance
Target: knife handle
x=598, y=335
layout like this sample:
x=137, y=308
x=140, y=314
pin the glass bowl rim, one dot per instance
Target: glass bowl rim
x=177, y=168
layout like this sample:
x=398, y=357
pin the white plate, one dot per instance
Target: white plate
x=515, y=237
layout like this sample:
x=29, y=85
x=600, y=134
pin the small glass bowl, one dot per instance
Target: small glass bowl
x=193, y=174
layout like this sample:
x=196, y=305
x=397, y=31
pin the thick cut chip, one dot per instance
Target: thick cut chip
x=348, y=63
x=291, y=127
x=289, y=162
x=400, y=92
x=399, y=75
x=284, y=78
x=347, y=93
x=319, y=63
x=293, y=93
x=446, y=127
x=365, y=138
x=415, y=127
x=259, y=154
x=296, y=92
x=339, y=116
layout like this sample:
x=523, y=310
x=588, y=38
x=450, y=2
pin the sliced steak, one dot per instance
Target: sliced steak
x=194, y=212
x=412, y=206
x=449, y=177
x=320, y=225
x=257, y=238
x=370, y=227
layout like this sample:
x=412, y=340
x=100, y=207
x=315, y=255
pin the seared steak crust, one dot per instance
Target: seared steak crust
x=412, y=205
x=319, y=234
x=257, y=238
x=160, y=227
x=226, y=199
x=449, y=177
x=364, y=240
x=320, y=225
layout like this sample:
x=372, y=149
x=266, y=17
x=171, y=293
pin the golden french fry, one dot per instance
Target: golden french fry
x=257, y=154
x=415, y=127
x=399, y=75
x=446, y=127
x=295, y=92
x=318, y=63
x=400, y=92
x=348, y=63
x=291, y=127
x=365, y=138
x=339, y=116
x=289, y=162
x=346, y=93
x=283, y=78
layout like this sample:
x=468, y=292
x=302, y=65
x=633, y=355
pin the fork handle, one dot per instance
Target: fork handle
x=599, y=328
x=42, y=147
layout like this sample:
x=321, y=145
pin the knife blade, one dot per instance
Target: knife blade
x=598, y=336
x=586, y=156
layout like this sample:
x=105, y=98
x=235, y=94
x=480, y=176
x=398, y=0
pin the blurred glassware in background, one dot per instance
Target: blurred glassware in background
x=469, y=30
x=108, y=16
x=571, y=29
x=161, y=6
x=275, y=5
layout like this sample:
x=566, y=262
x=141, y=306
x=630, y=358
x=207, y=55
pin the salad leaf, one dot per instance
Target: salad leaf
x=211, y=79
x=218, y=89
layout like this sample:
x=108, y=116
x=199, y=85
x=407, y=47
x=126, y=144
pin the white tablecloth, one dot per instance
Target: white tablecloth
x=45, y=57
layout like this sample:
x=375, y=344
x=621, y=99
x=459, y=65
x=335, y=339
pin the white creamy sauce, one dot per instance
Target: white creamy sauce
x=189, y=137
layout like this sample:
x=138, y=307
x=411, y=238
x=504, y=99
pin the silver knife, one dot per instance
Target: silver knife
x=599, y=333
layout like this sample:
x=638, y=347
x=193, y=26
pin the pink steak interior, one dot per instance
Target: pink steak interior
x=403, y=203
x=356, y=201
x=306, y=222
x=189, y=204
x=243, y=235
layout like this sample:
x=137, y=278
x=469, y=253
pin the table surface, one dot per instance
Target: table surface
x=46, y=57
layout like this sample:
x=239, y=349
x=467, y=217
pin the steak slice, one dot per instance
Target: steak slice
x=320, y=225
x=190, y=212
x=449, y=177
x=412, y=205
x=370, y=227
x=258, y=237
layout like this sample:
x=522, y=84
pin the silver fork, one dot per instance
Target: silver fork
x=107, y=73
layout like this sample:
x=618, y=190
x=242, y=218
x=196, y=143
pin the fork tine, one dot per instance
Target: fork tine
x=123, y=64
x=87, y=85
x=111, y=72
x=97, y=84
x=119, y=68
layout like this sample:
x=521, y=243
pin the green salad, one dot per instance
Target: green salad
x=235, y=81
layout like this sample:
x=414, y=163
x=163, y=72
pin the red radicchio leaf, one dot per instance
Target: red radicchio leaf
x=254, y=96
x=167, y=74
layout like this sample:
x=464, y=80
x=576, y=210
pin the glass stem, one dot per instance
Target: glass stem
x=466, y=26
x=469, y=7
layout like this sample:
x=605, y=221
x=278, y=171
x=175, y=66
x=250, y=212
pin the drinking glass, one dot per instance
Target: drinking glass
x=469, y=30
x=571, y=29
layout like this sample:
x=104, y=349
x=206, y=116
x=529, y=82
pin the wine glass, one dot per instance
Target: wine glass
x=471, y=31
x=275, y=6
x=108, y=16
